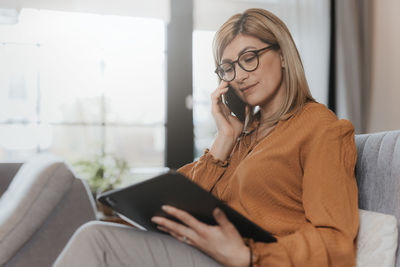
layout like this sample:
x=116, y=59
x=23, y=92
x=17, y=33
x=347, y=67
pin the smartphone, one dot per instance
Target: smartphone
x=235, y=104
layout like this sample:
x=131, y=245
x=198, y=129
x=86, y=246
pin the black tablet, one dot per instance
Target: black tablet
x=138, y=203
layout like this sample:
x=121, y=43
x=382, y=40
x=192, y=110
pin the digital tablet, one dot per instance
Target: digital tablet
x=138, y=203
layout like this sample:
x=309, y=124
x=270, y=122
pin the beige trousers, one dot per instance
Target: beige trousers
x=100, y=244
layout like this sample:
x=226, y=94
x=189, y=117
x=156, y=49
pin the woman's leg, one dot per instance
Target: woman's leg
x=107, y=244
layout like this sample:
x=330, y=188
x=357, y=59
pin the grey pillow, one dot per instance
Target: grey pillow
x=33, y=194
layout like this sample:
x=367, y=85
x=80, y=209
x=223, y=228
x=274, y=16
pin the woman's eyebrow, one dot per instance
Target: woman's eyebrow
x=241, y=51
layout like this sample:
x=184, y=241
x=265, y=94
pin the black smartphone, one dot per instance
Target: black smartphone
x=235, y=104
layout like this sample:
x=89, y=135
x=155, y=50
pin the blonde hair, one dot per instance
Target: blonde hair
x=270, y=29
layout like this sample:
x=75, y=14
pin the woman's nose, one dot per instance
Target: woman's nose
x=241, y=74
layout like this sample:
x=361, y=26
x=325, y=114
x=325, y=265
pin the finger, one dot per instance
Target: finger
x=174, y=227
x=225, y=110
x=177, y=236
x=182, y=238
x=217, y=107
x=162, y=228
x=184, y=217
x=216, y=95
x=223, y=84
x=228, y=114
x=223, y=87
x=221, y=218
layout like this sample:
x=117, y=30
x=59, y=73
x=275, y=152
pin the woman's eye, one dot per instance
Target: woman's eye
x=227, y=70
x=249, y=58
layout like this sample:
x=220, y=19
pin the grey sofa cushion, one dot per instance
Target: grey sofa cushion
x=32, y=195
x=378, y=174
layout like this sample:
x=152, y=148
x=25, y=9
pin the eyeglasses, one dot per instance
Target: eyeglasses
x=247, y=60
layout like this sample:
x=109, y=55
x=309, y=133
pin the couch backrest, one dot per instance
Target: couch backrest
x=378, y=174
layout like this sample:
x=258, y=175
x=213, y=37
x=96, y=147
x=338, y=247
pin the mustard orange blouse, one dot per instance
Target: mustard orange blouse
x=297, y=183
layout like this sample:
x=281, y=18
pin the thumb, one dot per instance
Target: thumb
x=221, y=218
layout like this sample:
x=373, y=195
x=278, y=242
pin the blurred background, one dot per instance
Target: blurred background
x=131, y=79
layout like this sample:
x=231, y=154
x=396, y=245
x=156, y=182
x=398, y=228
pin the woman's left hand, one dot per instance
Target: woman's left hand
x=222, y=241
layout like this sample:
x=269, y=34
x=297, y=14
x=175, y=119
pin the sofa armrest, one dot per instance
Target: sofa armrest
x=39, y=211
x=75, y=208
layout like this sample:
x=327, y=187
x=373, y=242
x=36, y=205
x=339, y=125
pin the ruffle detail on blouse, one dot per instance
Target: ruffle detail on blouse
x=208, y=156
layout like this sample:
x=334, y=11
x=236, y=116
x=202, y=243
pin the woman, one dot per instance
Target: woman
x=289, y=168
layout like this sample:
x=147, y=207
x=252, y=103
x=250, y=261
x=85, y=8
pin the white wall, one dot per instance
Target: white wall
x=385, y=92
x=137, y=8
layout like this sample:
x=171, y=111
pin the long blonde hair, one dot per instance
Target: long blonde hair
x=270, y=29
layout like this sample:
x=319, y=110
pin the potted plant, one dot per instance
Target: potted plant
x=103, y=173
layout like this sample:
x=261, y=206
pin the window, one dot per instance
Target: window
x=79, y=84
x=205, y=81
x=309, y=26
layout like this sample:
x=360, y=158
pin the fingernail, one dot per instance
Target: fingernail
x=164, y=207
x=154, y=219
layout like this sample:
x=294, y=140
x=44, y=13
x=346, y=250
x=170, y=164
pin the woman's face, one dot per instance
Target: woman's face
x=264, y=87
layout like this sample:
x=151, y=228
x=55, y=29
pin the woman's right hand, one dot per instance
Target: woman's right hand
x=228, y=126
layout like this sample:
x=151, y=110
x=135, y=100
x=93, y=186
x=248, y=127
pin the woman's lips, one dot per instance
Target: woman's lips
x=247, y=89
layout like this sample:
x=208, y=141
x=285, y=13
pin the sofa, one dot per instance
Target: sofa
x=378, y=180
x=377, y=173
x=42, y=203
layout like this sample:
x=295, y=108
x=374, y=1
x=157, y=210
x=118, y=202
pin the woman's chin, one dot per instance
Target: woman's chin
x=252, y=102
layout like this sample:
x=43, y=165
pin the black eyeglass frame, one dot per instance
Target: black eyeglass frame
x=256, y=52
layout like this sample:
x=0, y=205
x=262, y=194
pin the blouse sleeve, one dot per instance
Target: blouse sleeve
x=330, y=201
x=206, y=171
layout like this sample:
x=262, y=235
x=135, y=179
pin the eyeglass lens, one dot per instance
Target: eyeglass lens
x=248, y=61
